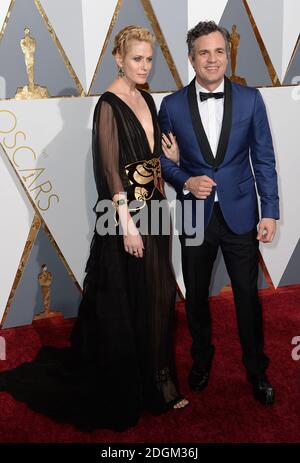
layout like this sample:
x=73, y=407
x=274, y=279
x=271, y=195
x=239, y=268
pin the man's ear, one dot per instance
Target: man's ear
x=191, y=60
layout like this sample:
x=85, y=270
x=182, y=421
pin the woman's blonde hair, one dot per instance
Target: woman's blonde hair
x=131, y=33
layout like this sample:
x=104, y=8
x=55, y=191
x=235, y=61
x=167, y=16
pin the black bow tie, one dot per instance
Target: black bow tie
x=205, y=96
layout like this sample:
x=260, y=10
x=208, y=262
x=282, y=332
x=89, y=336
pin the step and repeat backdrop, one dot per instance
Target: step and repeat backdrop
x=55, y=62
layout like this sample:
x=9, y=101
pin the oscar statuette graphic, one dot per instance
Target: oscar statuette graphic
x=30, y=91
x=45, y=280
x=235, y=41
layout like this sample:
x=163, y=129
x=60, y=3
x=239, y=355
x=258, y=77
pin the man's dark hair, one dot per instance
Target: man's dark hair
x=205, y=28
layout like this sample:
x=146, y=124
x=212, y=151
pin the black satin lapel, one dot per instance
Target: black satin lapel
x=198, y=126
x=226, y=123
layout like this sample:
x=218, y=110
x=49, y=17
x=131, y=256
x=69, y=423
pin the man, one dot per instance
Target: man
x=220, y=127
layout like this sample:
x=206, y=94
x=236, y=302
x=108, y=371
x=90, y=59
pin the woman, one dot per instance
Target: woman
x=121, y=357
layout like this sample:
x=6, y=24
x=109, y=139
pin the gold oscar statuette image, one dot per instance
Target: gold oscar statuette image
x=45, y=280
x=30, y=91
x=235, y=41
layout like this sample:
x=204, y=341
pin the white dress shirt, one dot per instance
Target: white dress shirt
x=211, y=113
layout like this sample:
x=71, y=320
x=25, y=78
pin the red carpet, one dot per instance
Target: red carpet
x=224, y=412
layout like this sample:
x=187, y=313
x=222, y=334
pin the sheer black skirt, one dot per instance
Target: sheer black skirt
x=120, y=360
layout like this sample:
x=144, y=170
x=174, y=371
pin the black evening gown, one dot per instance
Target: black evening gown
x=120, y=361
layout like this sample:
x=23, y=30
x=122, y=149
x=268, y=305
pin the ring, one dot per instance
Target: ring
x=169, y=146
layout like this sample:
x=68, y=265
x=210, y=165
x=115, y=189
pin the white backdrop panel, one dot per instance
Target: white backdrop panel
x=97, y=17
x=16, y=218
x=270, y=27
x=284, y=115
x=204, y=11
x=279, y=30
x=4, y=5
x=58, y=132
x=291, y=30
x=81, y=27
x=66, y=19
x=175, y=36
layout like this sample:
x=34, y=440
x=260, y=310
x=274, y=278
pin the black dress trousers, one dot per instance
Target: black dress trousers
x=240, y=254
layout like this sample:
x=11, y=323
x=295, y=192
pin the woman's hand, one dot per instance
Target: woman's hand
x=170, y=147
x=133, y=243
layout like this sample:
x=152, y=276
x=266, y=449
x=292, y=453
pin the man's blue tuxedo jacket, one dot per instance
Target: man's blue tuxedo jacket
x=245, y=138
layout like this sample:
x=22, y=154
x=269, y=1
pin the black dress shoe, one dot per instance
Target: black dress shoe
x=263, y=390
x=198, y=378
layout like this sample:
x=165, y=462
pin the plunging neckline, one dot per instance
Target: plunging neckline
x=135, y=116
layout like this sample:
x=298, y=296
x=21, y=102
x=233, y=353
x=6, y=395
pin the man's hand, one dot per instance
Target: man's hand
x=201, y=186
x=266, y=230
